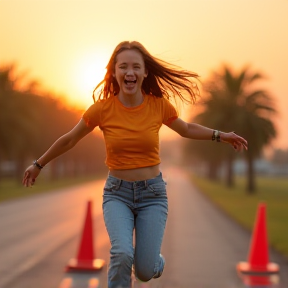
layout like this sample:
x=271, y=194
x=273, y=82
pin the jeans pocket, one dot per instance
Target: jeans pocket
x=158, y=188
x=111, y=186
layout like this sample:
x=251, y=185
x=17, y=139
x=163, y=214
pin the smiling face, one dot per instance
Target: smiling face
x=130, y=72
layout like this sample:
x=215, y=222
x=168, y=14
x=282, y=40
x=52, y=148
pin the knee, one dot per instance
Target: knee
x=143, y=277
x=145, y=271
x=124, y=259
x=144, y=274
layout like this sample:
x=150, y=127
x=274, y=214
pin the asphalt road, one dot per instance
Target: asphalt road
x=202, y=246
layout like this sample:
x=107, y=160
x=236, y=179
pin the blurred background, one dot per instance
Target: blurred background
x=53, y=54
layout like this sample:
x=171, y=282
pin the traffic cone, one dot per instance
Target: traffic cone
x=257, y=280
x=85, y=258
x=258, y=260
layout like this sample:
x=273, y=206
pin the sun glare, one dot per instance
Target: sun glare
x=90, y=70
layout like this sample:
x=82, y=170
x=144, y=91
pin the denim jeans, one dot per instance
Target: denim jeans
x=139, y=205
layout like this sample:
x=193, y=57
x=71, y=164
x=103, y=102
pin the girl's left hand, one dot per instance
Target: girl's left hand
x=238, y=142
x=30, y=176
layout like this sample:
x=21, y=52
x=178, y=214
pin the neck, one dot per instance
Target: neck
x=131, y=100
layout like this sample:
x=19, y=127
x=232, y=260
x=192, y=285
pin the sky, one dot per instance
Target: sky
x=66, y=45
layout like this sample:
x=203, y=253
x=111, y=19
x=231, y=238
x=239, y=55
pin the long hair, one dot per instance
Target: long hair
x=163, y=79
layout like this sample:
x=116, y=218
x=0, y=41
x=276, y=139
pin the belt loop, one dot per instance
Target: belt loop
x=146, y=184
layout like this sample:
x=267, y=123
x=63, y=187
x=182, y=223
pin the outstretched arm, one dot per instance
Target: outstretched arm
x=60, y=146
x=199, y=132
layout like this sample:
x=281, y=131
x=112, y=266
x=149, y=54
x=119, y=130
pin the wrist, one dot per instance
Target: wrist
x=216, y=135
x=38, y=165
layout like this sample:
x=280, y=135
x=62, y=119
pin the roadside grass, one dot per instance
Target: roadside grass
x=12, y=189
x=241, y=206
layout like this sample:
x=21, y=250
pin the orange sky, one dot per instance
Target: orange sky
x=66, y=44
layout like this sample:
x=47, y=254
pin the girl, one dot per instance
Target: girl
x=130, y=109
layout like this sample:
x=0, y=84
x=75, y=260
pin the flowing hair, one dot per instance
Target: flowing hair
x=163, y=79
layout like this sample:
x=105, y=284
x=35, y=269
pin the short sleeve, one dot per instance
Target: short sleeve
x=92, y=116
x=169, y=112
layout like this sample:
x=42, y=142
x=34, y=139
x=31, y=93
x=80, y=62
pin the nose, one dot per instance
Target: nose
x=130, y=72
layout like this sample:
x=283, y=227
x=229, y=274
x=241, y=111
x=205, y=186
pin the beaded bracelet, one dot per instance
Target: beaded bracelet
x=35, y=163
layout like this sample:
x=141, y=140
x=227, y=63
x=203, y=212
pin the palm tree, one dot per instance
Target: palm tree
x=16, y=119
x=234, y=102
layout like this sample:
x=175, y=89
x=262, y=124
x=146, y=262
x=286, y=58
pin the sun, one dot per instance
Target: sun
x=90, y=69
x=91, y=73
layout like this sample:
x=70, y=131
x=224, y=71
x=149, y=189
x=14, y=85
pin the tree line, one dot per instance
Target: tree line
x=234, y=101
x=30, y=121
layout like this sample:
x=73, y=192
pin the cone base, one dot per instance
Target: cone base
x=75, y=265
x=247, y=268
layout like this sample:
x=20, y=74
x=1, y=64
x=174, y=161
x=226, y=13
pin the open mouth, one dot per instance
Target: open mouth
x=130, y=81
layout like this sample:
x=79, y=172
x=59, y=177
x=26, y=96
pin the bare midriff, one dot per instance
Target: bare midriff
x=136, y=174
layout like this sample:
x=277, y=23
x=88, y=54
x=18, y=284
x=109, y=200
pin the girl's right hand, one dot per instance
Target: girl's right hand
x=30, y=176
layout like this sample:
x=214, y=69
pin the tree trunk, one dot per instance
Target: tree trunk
x=251, y=186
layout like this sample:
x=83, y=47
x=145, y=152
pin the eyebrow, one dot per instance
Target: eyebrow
x=125, y=63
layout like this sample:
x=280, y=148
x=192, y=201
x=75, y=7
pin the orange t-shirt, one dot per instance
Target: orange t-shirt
x=131, y=133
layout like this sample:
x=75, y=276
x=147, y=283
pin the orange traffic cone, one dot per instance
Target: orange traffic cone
x=257, y=280
x=258, y=260
x=85, y=258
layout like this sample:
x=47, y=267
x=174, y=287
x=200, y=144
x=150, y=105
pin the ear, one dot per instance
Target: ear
x=146, y=73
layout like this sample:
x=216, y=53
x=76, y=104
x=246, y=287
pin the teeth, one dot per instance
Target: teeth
x=129, y=81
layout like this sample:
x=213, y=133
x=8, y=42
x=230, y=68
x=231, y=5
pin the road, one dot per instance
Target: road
x=202, y=246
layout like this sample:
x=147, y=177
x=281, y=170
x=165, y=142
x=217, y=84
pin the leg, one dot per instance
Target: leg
x=149, y=229
x=119, y=221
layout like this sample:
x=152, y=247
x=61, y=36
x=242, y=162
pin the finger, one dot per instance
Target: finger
x=238, y=149
x=26, y=175
x=30, y=182
x=27, y=182
x=237, y=146
x=243, y=144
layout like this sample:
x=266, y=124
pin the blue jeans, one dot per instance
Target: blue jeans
x=139, y=205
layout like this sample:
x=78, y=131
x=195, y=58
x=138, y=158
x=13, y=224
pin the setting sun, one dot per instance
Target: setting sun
x=89, y=70
x=69, y=53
